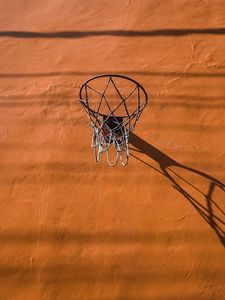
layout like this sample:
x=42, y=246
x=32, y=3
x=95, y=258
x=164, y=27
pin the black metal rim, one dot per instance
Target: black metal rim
x=145, y=101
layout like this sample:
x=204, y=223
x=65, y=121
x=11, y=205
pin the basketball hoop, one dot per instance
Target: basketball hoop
x=114, y=104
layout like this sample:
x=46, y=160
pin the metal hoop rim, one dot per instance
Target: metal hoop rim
x=145, y=101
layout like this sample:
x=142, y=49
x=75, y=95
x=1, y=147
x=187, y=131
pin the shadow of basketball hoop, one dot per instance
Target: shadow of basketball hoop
x=209, y=209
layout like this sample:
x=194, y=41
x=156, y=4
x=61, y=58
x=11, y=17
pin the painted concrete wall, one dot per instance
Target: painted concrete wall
x=71, y=229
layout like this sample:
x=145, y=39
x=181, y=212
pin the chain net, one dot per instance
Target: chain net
x=113, y=104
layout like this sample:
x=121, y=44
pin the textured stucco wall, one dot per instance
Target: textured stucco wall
x=71, y=229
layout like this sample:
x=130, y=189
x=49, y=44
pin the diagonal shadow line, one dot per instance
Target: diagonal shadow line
x=100, y=237
x=174, y=98
x=88, y=271
x=122, y=33
x=18, y=103
x=165, y=162
x=137, y=73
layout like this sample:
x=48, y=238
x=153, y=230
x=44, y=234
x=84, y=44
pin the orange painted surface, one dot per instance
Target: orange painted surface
x=71, y=229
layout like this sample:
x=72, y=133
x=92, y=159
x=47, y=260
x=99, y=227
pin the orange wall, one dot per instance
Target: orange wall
x=71, y=229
